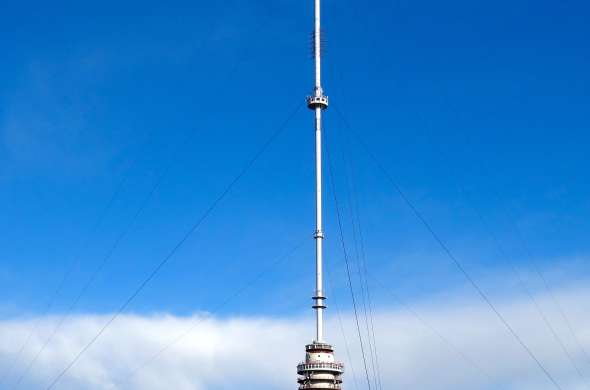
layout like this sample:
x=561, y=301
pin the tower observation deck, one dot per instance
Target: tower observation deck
x=320, y=370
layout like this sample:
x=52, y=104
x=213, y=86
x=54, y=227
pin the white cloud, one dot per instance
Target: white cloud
x=261, y=353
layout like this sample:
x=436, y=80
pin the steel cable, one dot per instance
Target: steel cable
x=347, y=262
x=452, y=257
x=217, y=308
x=179, y=244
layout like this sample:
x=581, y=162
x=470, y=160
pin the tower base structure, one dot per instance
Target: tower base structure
x=320, y=370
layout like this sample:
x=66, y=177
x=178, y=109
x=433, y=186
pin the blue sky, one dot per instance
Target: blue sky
x=479, y=111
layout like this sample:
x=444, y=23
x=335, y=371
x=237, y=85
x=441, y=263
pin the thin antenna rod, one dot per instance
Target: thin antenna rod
x=317, y=46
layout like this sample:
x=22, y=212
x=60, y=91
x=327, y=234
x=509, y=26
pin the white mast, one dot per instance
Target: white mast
x=320, y=370
x=318, y=102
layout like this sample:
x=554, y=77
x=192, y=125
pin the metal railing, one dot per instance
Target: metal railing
x=339, y=367
x=324, y=346
x=325, y=386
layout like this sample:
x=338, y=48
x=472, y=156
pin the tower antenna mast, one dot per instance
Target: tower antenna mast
x=320, y=370
x=318, y=102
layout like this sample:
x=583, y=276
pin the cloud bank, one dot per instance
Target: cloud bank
x=457, y=345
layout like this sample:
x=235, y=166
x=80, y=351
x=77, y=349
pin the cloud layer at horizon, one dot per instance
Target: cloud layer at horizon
x=254, y=352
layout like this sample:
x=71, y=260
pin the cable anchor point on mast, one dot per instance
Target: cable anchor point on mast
x=317, y=100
